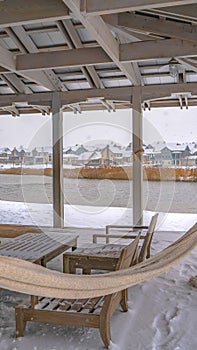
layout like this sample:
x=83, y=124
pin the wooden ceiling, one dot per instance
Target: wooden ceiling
x=96, y=54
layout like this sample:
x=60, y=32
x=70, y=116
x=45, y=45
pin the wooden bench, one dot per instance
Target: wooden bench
x=90, y=312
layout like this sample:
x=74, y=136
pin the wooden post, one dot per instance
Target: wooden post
x=58, y=188
x=137, y=159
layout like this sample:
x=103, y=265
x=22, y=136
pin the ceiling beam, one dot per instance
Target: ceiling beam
x=154, y=49
x=100, y=31
x=21, y=12
x=113, y=94
x=62, y=58
x=138, y=51
x=188, y=64
x=159, y=26
x=126, y=35
x=75, y=42
x=30, y=47
x=15, y=83
x=7, y=59
x=95, y=7
x=186, y=12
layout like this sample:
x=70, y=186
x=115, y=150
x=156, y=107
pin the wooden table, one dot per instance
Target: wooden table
x=39, y=248
x=94, y=257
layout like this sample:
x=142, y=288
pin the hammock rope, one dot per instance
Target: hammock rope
x=25, y=277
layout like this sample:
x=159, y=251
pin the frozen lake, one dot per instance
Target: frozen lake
x=169, y=196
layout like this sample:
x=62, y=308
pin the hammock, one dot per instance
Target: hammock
x=25, y=277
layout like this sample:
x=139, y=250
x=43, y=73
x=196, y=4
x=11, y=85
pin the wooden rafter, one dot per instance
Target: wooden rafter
x=74, y=41
x=95, y=7
x=186, y=12
x=113, y=94
x=106, y=40
x=21, y=12
x=19, y=34
x=159, y=26
x=138, y=51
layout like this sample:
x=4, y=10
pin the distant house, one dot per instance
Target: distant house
x=172, y=154
x=77, y=149
x=112, y=155
x=151, y=157
x=189, y=161
x=88, y=159
x=17, y=157
x=84, y=158
x=96, y=159
x=70, y=159
x=5, y=154
x=127, y=156
x=38, y=156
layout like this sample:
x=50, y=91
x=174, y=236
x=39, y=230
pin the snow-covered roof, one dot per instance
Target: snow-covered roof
x=126, y=154
x=175, y=147
x=70, y=155
x=115, y=149
x=85, y=156
x=96, y=155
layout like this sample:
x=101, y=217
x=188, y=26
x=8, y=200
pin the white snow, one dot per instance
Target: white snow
x=162, y=311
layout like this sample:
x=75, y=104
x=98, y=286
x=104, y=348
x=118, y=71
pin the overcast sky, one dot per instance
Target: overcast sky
x=169, y=124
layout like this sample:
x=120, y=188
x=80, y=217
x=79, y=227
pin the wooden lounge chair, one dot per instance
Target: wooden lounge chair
x=105, y=257
x=145, y=249
x=90, y=312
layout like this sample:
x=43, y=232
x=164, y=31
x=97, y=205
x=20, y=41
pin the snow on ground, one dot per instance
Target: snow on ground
x=162, y=311
x=88, y=216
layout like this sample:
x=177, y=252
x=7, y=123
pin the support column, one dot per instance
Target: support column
x=137, y=159
x=58, y=189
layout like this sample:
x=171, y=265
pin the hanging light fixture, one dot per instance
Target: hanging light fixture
x=174, y=68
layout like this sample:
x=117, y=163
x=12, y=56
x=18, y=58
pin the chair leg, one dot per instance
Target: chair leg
x=105, y=331
x=20, y=322
x=124, y=300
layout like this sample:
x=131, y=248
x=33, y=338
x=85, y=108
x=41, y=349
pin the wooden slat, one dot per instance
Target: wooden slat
x=35, y=247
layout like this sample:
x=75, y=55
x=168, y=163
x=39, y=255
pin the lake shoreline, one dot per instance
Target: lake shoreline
x=113, y=173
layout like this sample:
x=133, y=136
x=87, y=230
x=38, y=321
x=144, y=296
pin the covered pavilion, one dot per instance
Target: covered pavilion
x=80, y=55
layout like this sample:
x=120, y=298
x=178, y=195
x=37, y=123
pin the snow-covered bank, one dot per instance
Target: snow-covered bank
x=162, y=311
x=87, y=216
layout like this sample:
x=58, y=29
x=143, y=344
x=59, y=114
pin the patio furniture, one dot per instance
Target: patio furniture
x=39, y=248
x=149, y=230
x=105, y=257
x=25, y=277
x=89, y=312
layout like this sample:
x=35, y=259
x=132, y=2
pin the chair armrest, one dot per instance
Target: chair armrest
x=103, y=235
x=136, y=227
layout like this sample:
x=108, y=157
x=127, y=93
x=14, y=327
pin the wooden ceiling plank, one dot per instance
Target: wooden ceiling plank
x=187, y=63
x=15, y=83
x=7, y=59
x=19, y=33
x=99, y=29
x=67, y=28
x=95, y=7
x=113, y=94
x=138, y=51
x=63, y=58
x=156, y=49
x=158, y=26
x=185, y=12
x=21, y=12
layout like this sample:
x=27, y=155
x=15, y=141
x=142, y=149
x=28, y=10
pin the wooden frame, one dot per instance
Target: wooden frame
x=90, y=312
x=105, y=257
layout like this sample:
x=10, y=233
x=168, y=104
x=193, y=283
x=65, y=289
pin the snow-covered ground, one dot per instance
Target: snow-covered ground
x=162, y=311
